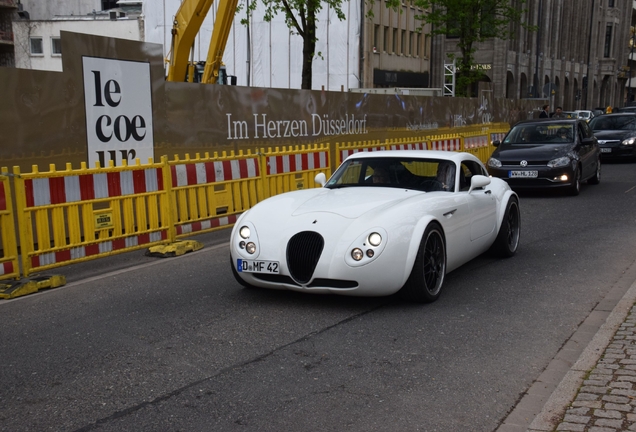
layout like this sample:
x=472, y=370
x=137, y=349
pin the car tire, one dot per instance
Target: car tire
x=237, y=277
x=424, y=284
x=596, y=178
x=507, y=240
x=575, y=188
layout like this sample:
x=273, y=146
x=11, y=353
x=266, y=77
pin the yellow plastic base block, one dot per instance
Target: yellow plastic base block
x=174, y=249
x=17, y=288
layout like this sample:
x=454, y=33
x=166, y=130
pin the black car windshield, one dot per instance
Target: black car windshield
x=426, y=175
x=541, y=133
x=622, y=122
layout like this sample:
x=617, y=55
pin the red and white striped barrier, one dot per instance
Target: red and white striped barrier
x=298, y=162
x=189, y=174
x=74, y=188
x=207, y=224
x=451, y=144
x=497, y=136
x=3, y=197
x=410, y=146
x=476, y=142
x=51, y=258
x=6, y=268
x=346, y=153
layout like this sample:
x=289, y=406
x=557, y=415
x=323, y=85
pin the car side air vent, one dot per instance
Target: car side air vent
x=303, y=253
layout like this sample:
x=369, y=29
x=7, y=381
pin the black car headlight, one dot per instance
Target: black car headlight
x=629, y=141
x=559, y=162
x=494, y=163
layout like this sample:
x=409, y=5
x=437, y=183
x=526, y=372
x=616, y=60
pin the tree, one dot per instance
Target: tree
x=471, y=22
x=300, y=17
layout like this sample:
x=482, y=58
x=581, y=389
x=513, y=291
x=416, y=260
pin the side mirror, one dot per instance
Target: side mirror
x=496, y=143
x=321, y=179
x=478, y=181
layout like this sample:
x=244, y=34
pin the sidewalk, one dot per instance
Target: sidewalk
x=598, y=392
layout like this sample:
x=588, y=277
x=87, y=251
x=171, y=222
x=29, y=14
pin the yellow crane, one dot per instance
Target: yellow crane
x=185, y=27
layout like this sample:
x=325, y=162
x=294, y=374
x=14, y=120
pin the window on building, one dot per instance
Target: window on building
x=376, y=38
x=56, y=46
x=412, y=44
x=610, y=3
x=488, y=15
x=395, y=41
x=386, y=39
x=403, y=42
x=109, y=4
x=36, y=46
x=608, y=41
x=419, y=45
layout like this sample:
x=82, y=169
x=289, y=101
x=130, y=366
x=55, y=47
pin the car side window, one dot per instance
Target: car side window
x=467, y=171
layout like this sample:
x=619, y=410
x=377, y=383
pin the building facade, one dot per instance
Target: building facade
x=577, y=58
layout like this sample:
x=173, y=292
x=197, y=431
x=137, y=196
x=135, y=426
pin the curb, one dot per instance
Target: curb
x=541, y=412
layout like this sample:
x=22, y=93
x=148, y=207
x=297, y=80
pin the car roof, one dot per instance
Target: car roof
x=456, y=157
x=618, y=114
x=548, y=121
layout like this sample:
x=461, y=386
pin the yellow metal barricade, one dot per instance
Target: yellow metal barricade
x=477, y=143
x=209, y=193
x=294, y=168
x=344, y=150
x=449, y=142
x=9, y=267
x=78, y=215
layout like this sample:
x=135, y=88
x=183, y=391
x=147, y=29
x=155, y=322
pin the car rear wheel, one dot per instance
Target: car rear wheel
x=507, y=240
x=575, y=188
x=596, y=179
x=427, y=276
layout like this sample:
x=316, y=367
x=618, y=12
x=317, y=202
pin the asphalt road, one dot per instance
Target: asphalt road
x=134, y=343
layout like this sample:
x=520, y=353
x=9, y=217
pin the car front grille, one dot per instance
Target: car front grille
x=303, y=253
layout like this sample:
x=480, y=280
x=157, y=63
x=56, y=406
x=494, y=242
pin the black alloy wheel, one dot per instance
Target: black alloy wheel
x=507, y=240
x=427, y=276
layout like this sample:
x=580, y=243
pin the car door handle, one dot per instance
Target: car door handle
x=450, y=213
x=488, y=192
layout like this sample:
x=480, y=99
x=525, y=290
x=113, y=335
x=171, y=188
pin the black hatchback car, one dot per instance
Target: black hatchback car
x=547, y=153
x=616, y=134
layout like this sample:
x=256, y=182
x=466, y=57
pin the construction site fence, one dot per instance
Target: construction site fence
x=73, y=215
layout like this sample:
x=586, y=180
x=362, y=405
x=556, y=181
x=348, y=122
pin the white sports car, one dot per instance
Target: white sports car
x=385, y=222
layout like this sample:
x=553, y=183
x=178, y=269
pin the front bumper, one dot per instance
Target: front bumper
x=546, y=178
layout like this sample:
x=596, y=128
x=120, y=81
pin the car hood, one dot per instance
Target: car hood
x=531, y=151
x=614, y=134
x=349, y=203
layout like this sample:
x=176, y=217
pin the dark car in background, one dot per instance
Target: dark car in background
x=616, y=134
x=547, y=153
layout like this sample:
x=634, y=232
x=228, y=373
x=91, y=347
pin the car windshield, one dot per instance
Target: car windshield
x=541, y=133
x=426, y=175
x=621, y=122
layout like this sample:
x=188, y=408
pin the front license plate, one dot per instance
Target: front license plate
x=252, y=266
x=606, y=150
x=523, y=174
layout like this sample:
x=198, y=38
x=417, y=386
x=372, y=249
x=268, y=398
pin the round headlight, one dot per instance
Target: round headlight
x=242, y=245
x=375, y=239
x=370, y=253
x=244, y=232
x=357, y=254
x=250, y=248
